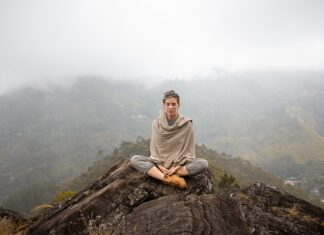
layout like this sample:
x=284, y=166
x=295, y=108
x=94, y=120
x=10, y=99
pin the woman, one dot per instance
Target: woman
x=172, y=147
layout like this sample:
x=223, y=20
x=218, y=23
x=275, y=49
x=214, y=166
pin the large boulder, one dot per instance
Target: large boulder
x=270, y=210
x=124, y=201
x=180, y=214
x=258, y=209
x=111, y=198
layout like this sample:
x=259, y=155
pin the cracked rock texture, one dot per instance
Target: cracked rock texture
x=113, y=196
x=124, y=201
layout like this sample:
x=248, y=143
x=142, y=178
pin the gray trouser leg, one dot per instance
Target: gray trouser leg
x=196, y=166
x=142, y=163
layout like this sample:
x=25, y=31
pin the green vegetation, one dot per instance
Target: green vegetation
x=40, y=209
x=228, y=181
x=63, y=196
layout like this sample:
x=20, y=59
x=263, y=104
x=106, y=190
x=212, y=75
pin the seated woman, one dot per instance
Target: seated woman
x=172, y=147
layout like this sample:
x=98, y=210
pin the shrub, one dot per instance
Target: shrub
x=63, y=196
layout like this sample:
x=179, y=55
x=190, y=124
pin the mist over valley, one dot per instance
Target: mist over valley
x=273, y=119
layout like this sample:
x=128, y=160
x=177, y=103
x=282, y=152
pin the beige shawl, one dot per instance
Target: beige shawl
x=172, y=145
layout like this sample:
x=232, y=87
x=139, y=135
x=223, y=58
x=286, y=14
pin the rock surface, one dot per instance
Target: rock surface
x=111, y=198
x=124, y=201
x=269, y=210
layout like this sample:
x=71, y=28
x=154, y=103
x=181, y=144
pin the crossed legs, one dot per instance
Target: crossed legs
x=147, y=166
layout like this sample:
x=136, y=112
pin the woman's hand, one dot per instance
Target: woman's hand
x=163, y=169
x=173, y=170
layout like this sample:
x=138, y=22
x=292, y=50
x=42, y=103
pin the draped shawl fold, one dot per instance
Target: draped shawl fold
x=172, y=145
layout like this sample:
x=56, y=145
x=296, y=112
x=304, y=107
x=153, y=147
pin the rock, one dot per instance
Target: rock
x=11, y=215
x=124, y=201
x=179, y=214
x=269, y=210
x=258, y=209
x=113, y=196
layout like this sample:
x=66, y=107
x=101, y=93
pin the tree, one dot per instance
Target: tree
x=227, y=181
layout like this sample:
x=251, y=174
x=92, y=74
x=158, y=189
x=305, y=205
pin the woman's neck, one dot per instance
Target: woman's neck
x=171, y=117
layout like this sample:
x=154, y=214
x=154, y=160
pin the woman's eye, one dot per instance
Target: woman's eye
x=171, y=104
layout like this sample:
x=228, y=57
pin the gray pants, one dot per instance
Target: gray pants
x=144, y=164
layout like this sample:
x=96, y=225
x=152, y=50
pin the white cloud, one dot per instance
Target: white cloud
x=50, y=40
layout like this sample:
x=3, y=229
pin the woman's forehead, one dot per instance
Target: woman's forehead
x=171, y=100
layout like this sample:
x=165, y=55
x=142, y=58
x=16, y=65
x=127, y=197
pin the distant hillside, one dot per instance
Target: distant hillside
x=57, y=134
x=274, y=119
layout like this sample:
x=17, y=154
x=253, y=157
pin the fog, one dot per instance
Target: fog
x=44, y=42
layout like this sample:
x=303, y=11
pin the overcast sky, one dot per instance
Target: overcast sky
x=58, y=40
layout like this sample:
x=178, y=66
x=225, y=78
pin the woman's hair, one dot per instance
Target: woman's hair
x=171, y=94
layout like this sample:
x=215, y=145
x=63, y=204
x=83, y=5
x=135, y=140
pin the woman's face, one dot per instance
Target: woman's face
x=171, y=107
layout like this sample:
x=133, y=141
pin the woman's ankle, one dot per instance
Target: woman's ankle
x=155, y=173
